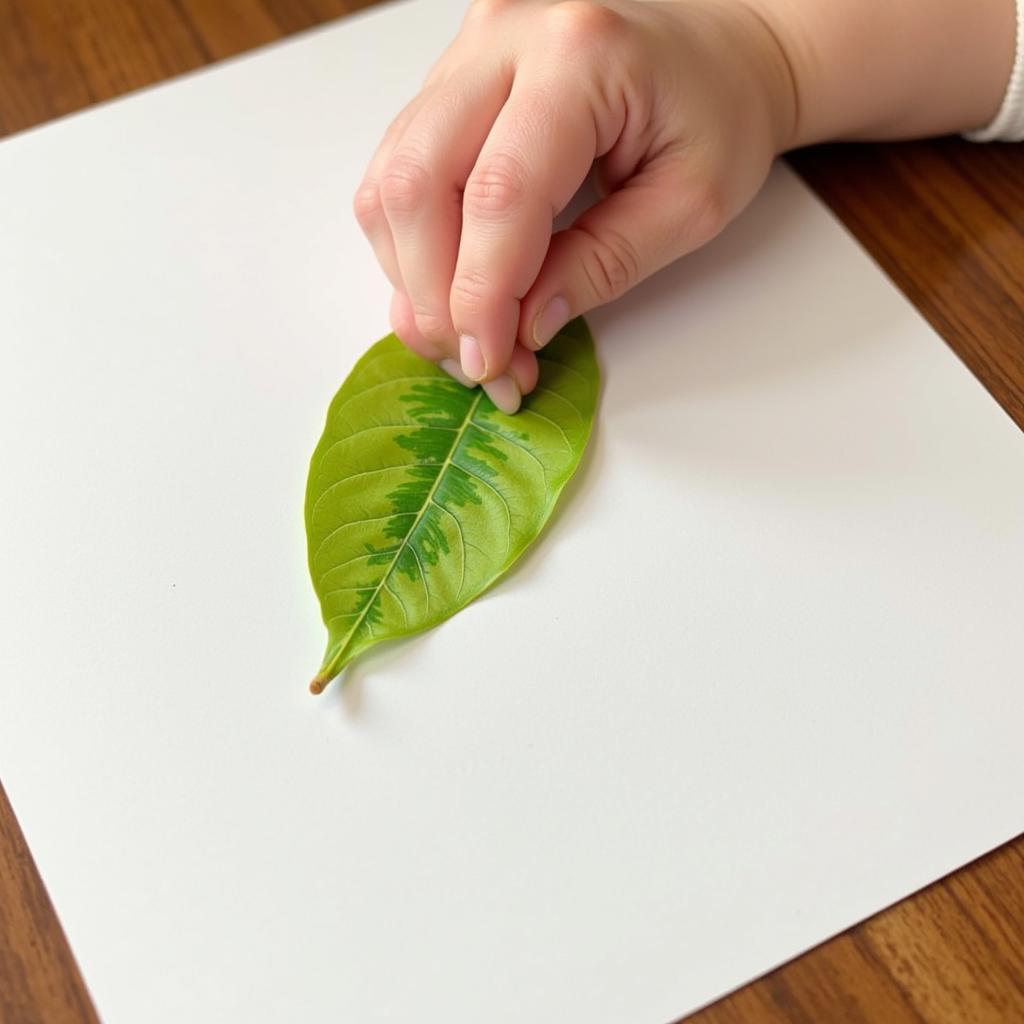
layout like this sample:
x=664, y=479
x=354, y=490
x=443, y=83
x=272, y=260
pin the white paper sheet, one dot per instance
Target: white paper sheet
x=761, y=679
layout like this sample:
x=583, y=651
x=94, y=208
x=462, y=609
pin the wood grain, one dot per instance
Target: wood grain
x=39, y=980
x=945, y=219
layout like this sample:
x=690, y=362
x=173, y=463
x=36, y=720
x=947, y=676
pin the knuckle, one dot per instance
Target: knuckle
x=469, y=291
x=495, y=189
x=401, y=324
x=432, y=326
x=612, y=265
x=404, y=185
x=580, y=24
x=366, y=204
x=484, y=9
x=710, y=211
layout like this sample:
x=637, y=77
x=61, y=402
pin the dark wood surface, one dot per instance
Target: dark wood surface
x=946, y=221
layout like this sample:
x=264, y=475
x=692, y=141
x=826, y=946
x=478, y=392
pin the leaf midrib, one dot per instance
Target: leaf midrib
x=328, y=671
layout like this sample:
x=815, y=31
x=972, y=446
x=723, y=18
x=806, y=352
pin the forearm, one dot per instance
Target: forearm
x=892, y=68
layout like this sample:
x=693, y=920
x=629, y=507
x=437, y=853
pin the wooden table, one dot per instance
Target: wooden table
x=946, y=221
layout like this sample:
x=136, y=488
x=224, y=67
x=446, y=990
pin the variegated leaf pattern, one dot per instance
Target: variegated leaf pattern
x=421, y=493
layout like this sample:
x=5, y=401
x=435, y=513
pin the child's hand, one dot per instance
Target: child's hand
x=682, y=104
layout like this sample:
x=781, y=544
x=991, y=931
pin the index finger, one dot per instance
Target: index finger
x=536, y=156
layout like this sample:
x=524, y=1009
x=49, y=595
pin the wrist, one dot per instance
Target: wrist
x=778, y=82
x=873, y=69
x=743, y=41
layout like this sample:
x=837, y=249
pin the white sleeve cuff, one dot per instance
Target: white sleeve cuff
x=1008, y=124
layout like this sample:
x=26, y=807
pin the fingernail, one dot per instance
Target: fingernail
x=503, y=391
x=453, y=369
x=472, y=357
x=550, y=320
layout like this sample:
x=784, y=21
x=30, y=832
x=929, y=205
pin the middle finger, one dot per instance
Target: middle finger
x=421, y=190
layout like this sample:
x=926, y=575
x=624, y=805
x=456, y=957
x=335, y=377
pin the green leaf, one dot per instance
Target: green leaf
x=421, y=493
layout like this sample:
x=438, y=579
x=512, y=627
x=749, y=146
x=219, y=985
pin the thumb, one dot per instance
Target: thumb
x=657, y=216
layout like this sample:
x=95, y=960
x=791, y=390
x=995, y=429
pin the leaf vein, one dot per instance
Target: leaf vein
x=462, y=541
x=341, y=590
x=565, y=366
x=501, y=498
x=390, y=382
x=423, y=575
x=367, y=472
x=540, y=389
x=548, y=419
x=355, y=558
x=353, y=522
x=514, y=444
x=398, y=601
x=378, y=426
